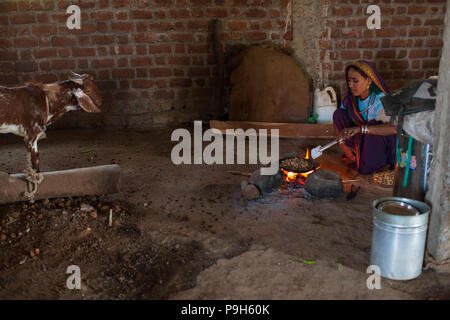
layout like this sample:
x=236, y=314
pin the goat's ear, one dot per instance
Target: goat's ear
x=85, y=102
x=74, y=77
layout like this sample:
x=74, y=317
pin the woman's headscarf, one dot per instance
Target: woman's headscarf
x=350, y=102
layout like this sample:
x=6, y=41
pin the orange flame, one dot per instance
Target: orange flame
x=308, y=153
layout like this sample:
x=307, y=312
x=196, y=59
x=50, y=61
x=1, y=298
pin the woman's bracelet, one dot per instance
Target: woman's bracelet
x=364, y=129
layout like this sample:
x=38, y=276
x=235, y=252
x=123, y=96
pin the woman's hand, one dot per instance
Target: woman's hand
x=348, y=132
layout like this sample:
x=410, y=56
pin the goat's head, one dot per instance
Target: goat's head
x=87, y=95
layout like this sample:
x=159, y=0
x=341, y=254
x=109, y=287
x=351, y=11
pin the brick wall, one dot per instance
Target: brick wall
x=153, y=59
x=408, y=46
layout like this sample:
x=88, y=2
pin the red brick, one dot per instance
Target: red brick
x=160, y=72
x=198, y=24
x=368, y=43
x=200, y=3
x=256, y=13
x=351, y=33
x=121, y=3
x=83, y=64
x=122, y=26
x=143, y=84
x=237, y=25
x=417, y=10
x=399, y=64
x=350, y=54
x=387, y=54
x=43, y=18
x=178, y=72
x=25, y=42
x=180, y=82
x=141, y=72
x=179, y=60
x=198, y=48
x=122, y=15
x=163, y=3
x=123, y=73
x=141, y=50
x=103, y=63
x=434, y=43
x=4, y=20
x=199, y=72
x=43, y=30
x=141, y=14
x=64, y=52
x=160, y=26
x=63, y=64
x=103, y=39
x=22, y=66
x=434, y=22
x=418, y=32
x=401, y=21
x=402, y=43
x=255, y=35
x=342, y=11
x=23, y=19
x=181, y=37
x=179, y=48
x=5, y=43
x=141, y=61
x=8, y=6
x=217, y=12
x=179, y=13
x=434, y=64
x=83, y=52
x=126, y=50
x=163, y=94
x=414, y=54
x=160, y=60
x=8, y=55
x=157, y=49
x=102, y=15
x=63, y=41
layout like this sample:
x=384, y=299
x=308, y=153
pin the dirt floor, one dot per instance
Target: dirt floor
x=184, y=232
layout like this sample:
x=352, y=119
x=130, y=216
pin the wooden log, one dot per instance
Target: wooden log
x=287, y=130
x=56, y=184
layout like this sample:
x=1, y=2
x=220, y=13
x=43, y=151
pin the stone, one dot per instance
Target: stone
x=266, y=183
x=250, y=192
x=324, y=184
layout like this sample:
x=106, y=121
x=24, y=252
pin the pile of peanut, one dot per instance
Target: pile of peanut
x=384, y=176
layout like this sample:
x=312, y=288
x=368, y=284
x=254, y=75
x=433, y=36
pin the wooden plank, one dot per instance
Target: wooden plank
x=287, y=130
x=57, y=184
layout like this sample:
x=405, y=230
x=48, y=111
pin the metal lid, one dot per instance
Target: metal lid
x=401, y=212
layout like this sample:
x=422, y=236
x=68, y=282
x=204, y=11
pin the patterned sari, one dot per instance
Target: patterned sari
x=373, y=152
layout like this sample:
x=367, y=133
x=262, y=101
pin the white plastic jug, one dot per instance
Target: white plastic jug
x=325, y=103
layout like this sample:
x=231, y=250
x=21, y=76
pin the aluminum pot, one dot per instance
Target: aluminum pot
x=399, y=235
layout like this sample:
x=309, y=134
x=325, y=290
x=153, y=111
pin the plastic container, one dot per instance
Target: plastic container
x=399, y=235
x=325, y=103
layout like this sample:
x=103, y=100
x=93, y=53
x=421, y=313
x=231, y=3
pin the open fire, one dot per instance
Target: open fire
x=298, y=177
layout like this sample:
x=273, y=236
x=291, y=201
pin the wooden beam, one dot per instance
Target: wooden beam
x=57, y=184
x=287, y=130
